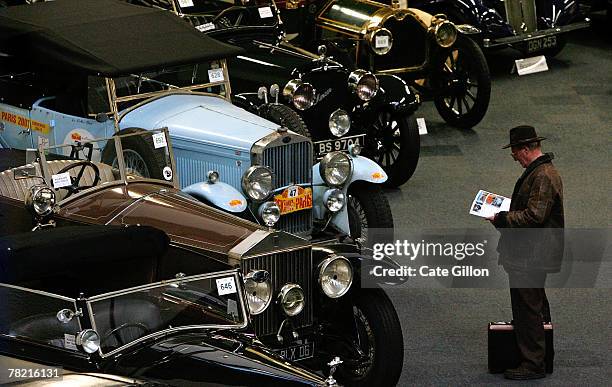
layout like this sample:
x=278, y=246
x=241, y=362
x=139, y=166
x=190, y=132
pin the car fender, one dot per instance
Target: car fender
x=396, y=94
x=364, y=169
x=219, y=194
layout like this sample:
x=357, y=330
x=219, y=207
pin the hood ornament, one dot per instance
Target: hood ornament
x=330, y=381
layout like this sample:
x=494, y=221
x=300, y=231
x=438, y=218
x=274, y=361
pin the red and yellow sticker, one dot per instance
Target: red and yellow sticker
x=294, y=199
x=24, y=122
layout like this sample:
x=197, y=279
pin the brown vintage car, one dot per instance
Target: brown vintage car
x=306, y=301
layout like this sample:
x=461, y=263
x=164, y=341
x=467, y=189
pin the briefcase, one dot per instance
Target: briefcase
x=503, y=349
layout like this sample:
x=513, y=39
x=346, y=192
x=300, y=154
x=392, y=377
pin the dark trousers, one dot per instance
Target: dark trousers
x=530, y=309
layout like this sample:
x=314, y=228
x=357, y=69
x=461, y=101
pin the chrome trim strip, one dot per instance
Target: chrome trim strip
x=248, y=243
x=39, y=292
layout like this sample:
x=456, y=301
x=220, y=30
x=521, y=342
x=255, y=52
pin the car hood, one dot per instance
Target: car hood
x=211, y=358
x=199, y=118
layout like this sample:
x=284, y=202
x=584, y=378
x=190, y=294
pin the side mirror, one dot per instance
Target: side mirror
x=101, y=117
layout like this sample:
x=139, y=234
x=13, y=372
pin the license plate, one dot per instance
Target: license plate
x=297, y=352
x=294, y=199
x=340, y=144
x=541, y=43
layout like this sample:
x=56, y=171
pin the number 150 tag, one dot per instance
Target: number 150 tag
x=226, y=286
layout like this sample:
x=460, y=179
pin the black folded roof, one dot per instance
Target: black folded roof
x=105, y=37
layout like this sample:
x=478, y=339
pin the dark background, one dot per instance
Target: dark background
x=571, y=104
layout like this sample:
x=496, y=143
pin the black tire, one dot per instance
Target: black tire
x=380, y=334
x=394, y=143
x=463, y=71
x=139, y=147
x=284, y=116
x=370, y=217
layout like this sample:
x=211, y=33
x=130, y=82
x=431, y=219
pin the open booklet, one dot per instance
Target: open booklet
x=487, y=204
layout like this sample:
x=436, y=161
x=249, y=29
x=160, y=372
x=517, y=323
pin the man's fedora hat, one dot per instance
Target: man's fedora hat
x=523, y=134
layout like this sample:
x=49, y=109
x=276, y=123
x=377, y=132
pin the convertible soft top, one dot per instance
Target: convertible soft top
x=105, y=37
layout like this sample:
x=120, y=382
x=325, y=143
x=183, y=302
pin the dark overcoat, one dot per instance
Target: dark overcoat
x=532, y=234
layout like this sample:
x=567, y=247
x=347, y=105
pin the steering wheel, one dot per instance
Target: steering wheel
x=114, y=332
x=75, y=187
x=223, y=18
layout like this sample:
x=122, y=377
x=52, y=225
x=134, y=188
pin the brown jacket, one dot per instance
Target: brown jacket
x=532, y=231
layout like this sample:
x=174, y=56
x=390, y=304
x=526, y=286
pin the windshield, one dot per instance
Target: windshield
x=125, y=317
x=88, y=164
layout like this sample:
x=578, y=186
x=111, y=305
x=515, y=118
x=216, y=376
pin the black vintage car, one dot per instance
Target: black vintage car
x=532, y=26
x=90, y=299
x=342, y=107
x=433, y=54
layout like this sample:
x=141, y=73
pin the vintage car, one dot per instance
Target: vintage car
x=435, y=55
x=532, y=26
x=79, y=300
x=307, y=301
x=70, y=81
x=341, y=107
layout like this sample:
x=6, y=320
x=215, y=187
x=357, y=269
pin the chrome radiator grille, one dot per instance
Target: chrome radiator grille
x=286, y=267
x=291, y=163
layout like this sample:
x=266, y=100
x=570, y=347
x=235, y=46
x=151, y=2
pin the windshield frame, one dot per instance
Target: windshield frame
x=235, y=273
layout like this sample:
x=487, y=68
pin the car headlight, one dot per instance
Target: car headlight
x=89, y=340
x=445, y=33
x=270, y=213
x=301, y=94
x=336, y=168
x=291, y=299
x=258, y=290
x=380, y=41
x=339, y=123
x=41, y=200
x=257, y=183
x=364, y=84
x=335, y=276
x=334, y=199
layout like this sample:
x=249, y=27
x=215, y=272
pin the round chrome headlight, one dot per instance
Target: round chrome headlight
x=336, y=168
x=291, y=299
x=335, y=276
x=339, y=123
x=364, y=84
x=446, y=33
x=334, y=199
x=41, y=200
x=212, y=177
x=270, y=213
x=258, y=290
x=89, y=340
x=380, y=41
x=301, y=94
x=257, y=183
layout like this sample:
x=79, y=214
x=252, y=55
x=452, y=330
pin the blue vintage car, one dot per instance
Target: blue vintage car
x=533, y=26
x=55, y=92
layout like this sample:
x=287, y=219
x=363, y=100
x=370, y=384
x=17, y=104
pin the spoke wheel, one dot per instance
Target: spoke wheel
x=370, y=218
x=394, y=143
x=134, y=164
x=466, y=83
x=139, y=155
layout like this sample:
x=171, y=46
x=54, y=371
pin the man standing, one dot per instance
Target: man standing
x=530, y=246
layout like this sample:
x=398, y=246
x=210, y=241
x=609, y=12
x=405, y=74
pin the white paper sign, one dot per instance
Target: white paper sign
x=532, y=65
x=265, y=12
x=205, y=27
x=159, y=140
x=421, y=125
x=215, y=75
x=487, y=204
x=69, y=341
x=226, y=286
x=185, y=3
x=382, y=41
x=61, y=180
x=167, y=172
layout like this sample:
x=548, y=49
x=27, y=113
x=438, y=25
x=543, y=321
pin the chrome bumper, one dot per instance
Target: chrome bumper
x=536, y=34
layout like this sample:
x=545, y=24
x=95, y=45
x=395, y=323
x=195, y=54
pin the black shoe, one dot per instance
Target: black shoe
x=523, y=373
